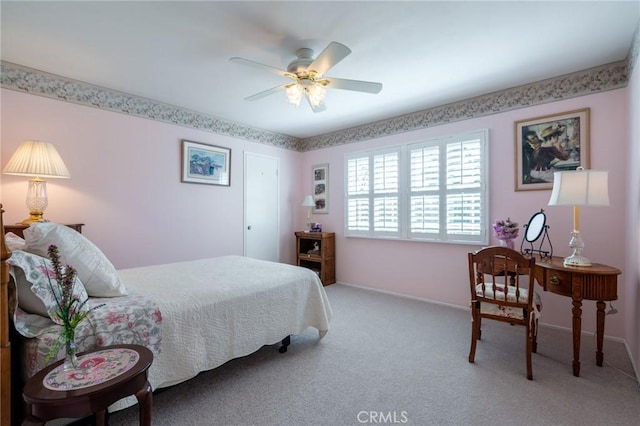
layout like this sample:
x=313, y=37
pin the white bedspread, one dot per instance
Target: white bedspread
x=214, y=310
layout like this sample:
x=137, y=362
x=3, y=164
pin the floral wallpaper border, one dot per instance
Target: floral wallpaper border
x=29, y=80
x=607, y=77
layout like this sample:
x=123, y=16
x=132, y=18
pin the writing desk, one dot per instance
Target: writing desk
x=597, y=282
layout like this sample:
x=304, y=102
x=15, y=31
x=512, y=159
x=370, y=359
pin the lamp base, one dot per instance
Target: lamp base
x=34, y=217
x=576, y=260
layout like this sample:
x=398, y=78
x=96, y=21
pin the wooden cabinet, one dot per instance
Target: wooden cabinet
x=19, y=227
x=317, y=251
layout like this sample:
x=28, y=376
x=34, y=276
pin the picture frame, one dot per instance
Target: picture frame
x=548, y=144
x=320, y=188
x=206, y=164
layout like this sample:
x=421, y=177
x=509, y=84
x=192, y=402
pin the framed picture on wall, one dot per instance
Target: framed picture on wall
x=208, y=164
x=320, y=188
x=549, y=144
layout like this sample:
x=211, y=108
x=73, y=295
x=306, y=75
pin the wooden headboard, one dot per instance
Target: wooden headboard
x=5, y=344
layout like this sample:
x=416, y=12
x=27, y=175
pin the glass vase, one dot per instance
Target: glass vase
x=507, y=242
x=70, y=357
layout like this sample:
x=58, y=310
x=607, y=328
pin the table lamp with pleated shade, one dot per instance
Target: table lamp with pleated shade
x=579, y=188
x=40, y=160
x=308, y=202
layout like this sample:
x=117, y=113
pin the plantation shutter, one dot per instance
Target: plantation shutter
x=358, y=189
x=385, y=189
x=425, y=190
x=433, y=190
x=464, y=186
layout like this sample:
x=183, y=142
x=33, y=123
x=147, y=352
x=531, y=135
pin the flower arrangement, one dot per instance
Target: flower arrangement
x=71, y=310
x=505, y=229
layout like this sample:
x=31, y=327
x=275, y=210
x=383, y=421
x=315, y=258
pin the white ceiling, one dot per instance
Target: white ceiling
x=426, y=53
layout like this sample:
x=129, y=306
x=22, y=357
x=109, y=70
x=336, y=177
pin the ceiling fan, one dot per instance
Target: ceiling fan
x=308, y=78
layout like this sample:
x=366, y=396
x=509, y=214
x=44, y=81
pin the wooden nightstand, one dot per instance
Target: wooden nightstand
x=317, y=251
x=52, y=394
x=19, y=227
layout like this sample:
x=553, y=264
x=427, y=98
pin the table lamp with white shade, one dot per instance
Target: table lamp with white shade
x=40, y=160
x=308, y=202
x=579, y=188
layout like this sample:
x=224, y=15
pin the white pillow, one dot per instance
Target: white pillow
x=95, y=271
x=14, y=242
x=30, y=272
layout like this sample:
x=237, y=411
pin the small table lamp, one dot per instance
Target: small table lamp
x=579, y=188
x=37, y=159
x=309, y=203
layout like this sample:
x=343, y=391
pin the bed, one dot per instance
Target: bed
x=194, y=315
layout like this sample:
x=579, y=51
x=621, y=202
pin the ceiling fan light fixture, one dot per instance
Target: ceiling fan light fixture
x=294, y=94
x=307, y=75
x=316, y=93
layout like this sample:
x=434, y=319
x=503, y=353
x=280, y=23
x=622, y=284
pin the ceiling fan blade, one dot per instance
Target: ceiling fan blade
x=269, y=68
x=331, y=55
x=319, y=108
x=356, y=85
x=267, y=92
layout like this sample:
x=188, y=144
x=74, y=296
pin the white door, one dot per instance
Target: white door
x=261, y=213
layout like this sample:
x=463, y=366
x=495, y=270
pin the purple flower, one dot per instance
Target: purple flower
x=505, y=229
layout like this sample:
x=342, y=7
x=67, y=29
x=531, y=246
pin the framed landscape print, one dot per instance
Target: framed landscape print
x=208, y=164
x=549, y=144
x=320, y=188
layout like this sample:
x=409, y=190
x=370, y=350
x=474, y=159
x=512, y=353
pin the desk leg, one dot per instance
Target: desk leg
x=577, y=328
x=600, y=331
x=145, y=401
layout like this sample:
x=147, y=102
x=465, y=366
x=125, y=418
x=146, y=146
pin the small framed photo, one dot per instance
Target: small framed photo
x=320, y=188
x=549, y=144
x=208, y=164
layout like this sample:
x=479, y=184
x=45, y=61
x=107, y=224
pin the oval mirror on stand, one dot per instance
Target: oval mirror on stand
x=535, y=229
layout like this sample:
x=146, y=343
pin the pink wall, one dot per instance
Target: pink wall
x=632, y=267
x=126, y=188
x=125, y=183
x=438, y=271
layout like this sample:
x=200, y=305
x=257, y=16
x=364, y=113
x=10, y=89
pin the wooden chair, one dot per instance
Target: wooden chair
x=502, y=289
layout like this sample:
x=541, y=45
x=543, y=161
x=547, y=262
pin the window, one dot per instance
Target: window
x=432, y=191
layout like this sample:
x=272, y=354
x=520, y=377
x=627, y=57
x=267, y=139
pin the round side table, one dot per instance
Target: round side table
x=52, y=393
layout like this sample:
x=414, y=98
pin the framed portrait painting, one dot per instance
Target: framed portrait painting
x=320, y=188
x=549, y=144
x=208, y=164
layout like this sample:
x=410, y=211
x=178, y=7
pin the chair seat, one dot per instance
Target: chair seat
x=507, y=311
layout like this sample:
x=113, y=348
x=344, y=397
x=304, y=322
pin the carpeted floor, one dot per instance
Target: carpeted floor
x=394, y=360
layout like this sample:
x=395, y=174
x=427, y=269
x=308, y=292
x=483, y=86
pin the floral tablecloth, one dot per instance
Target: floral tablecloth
x=93, y=369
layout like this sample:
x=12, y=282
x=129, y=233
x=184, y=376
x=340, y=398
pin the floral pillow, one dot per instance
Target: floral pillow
x=95, y=271
x=31, y=274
